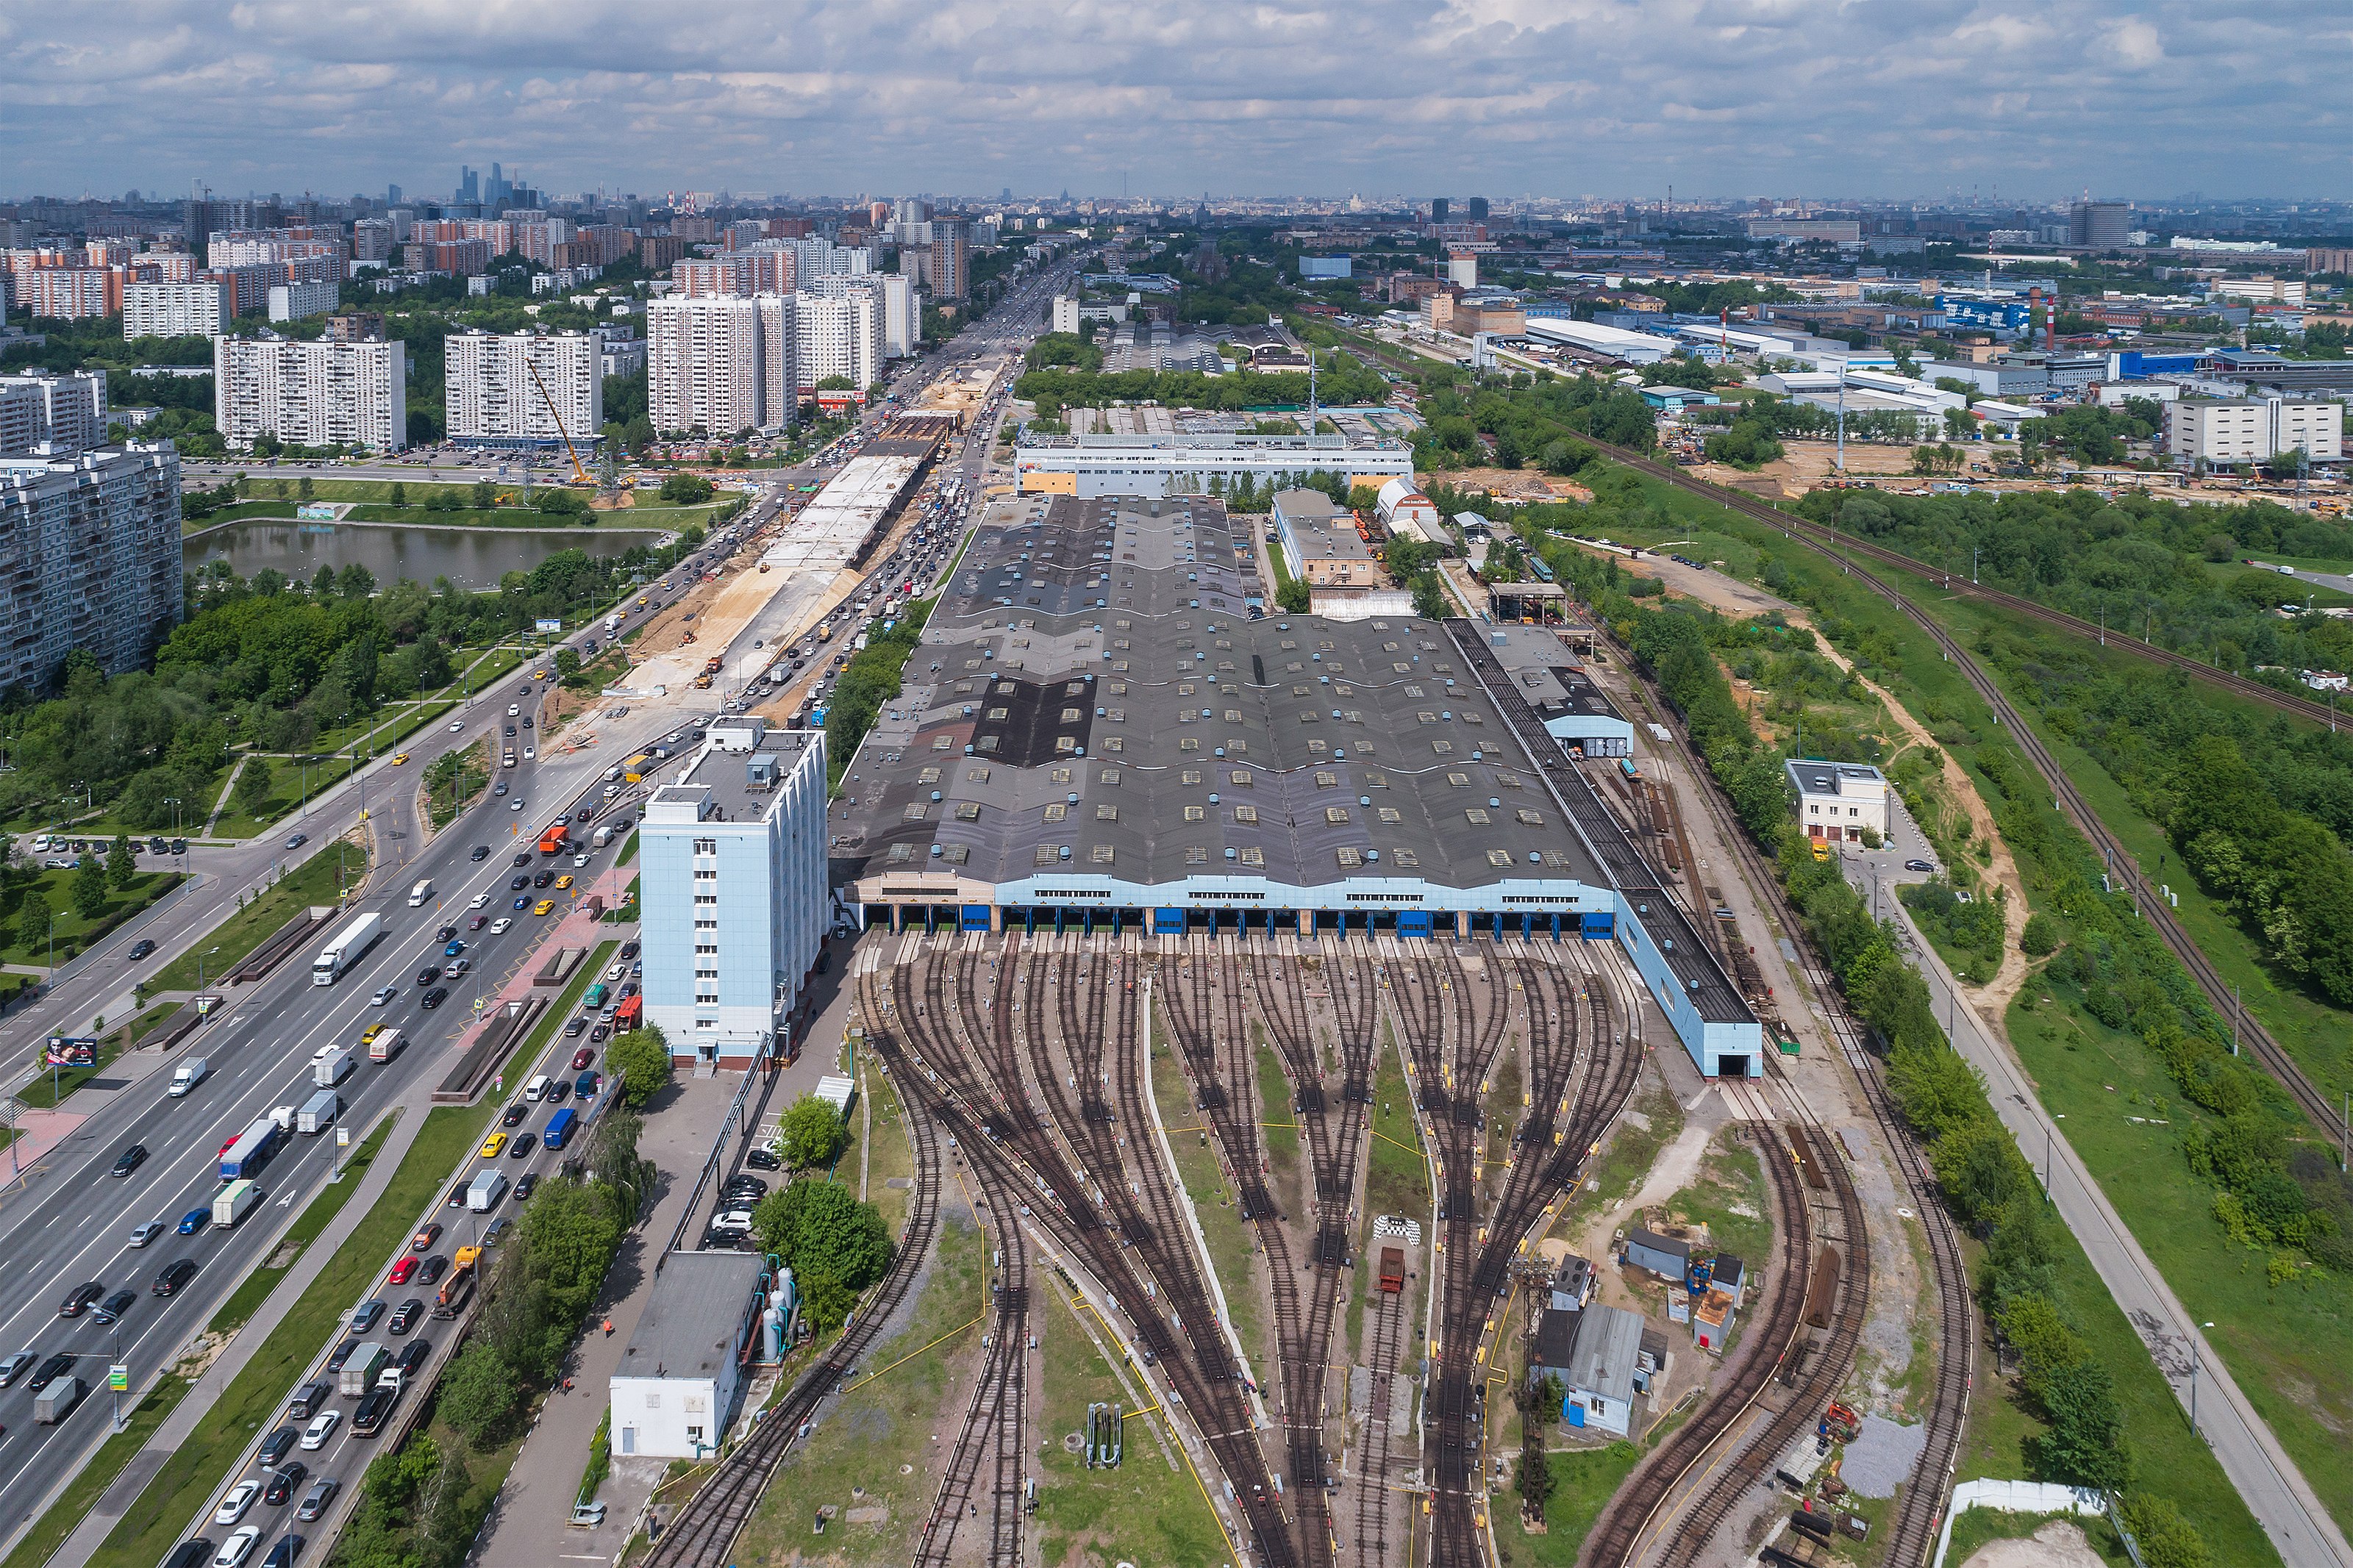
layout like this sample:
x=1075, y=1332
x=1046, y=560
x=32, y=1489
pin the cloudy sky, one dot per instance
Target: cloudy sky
x=2036, y=99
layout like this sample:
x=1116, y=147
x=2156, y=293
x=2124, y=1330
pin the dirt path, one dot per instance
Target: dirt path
x=1993, y=998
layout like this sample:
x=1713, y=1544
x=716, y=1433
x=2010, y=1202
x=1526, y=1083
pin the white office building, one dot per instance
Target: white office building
x=522, y=389
x=1066, y=314
x=52, y=415
x=732, y=853
x=1839, y=801
x=177, y=310
x=89, y=558
x=320, y=394
x=2227, y=431
x=902, y=325
x=722, y=364
x=1095, y=465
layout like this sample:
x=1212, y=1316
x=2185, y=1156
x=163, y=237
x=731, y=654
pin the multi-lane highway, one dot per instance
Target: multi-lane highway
x=70, y=1221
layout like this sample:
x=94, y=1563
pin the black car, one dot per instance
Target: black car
x=368, y=1419
x=526, y=1185
x=558, y=1092
x=517, y=884
x=458, y=1194
x=175, y=1275
x=111, y=1310
x=179, y=847
x=430, y=1271
x=481, y=852
x=142, y=948
x=742, y=1184
x=404, y=1316
x=525, y=1143
x=522, y=857
x=282, y=1484
x=600, y=1032
x=412, y=1355
x=283, y=1555
x=542, y=879
x=513, y=1114
x=49, y=1371
x=343, y=1353
x=430, y=973
x=309, y=1399
x=763, y=1160
x=628, y=950
x=434, y=998
x=445, y=933
x=278, y=1444
x=79, y=1301
x=130, y=1160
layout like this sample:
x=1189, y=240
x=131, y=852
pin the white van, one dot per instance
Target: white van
x=191, y=1073
x=419, y=893
x=536, y=1089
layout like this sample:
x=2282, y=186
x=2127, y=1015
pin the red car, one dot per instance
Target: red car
x=424, y=1239
x=583, y=1057
x=402, y=1270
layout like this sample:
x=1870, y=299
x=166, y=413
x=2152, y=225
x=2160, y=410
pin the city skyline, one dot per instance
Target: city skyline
x=1937, y=102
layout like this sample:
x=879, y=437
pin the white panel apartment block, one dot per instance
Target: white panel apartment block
x=704, y=361
x=491, y=394
x=317, y=394
x=89, y=558
x=174, y=310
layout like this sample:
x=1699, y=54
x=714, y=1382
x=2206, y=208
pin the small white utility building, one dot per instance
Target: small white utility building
x=675, y=1390
x=1836, y=801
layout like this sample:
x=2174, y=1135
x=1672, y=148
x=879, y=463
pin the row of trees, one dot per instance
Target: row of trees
x=270, y=664
x=869, y=680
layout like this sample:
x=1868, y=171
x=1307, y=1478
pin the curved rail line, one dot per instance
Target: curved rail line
x=703, y=1531
x=2122, y=866
x=990, y=1441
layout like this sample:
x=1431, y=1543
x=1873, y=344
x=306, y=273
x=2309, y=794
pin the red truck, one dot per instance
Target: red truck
x=553, y=841
x=629, y=1014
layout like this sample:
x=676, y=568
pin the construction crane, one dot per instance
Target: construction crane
x=578, y=472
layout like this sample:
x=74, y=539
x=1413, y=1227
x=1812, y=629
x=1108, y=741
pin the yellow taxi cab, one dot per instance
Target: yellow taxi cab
x=370, y=1033
x=399, y=758
x=492, y=1144
x=563, y=881
x=543, y=907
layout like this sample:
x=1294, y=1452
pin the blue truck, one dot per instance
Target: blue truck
x=251, y=1151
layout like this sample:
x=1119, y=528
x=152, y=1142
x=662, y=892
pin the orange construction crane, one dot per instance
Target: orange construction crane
x=578, y=472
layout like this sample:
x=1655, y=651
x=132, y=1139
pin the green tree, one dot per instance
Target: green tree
x=2166, y=1539
x=2085, y=1444
x=398, y=495
x=812, y=1133
x=642, y=1059
x=686, y=490
x=835, y=1246
x=32, y=919
x=2041, y=938
x=572, y=1233
x=89, y=888
x=253, y=781
x=1294, y=596
x=478, y=1392
x=486, y=495
x=304, y=489
x=122, y=863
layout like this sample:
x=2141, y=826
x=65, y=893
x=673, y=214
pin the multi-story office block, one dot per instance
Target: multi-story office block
x=89, y=558
x=734, y=890
x=522, y=389
x=320, y=394
x=52, y=415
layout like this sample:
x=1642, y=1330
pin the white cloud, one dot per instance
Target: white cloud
x=1718, y=96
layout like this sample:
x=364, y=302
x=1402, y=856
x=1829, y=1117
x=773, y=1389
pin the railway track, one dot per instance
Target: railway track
x=1385, y=1319
x=2122, y=868
x=970, y=1052
x=702, y=1532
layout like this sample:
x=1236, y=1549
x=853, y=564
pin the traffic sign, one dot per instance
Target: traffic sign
x=118, y=1378
x=342, y=1136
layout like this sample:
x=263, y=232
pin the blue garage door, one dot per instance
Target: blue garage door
x=1169, y=921
x=975, y=917
x=1413, y=922
x=1601, y=923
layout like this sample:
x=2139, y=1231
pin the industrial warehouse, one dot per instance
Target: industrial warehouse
x=1102, y=727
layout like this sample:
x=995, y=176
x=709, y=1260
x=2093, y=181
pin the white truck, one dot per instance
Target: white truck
x=346, y=949
x=233, y=1203
x=419, y=893
x=319, y=1113
x=612, y=625
x=484, y=1193
x=331, y=1068
x=191, y=1073
x=387, y=1044
x=359, y=1373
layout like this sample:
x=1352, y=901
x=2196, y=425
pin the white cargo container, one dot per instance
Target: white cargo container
x=332, y=1070
x=319, y=1113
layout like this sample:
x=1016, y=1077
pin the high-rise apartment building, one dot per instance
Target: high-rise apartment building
x=950, y=272
x=52, y=415
x=839, y=333
x=301, y=302
x=372, y=239
x=71, y=293
x=522, y=389
x=1066, y=313
x=89, y=558
x=174, y=310
x=902, y=324
x=722, y=364
x=320, y=394
x=734, y=892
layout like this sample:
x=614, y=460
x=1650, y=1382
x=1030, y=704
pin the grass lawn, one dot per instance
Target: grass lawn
x=1584, y=1481
x=1278, y=1124
x=54, y=1083
x=888, y=1155
x=72, y=933
x=882, y=1445
x=1233, y=1250
x=1143, y=1512
x=224, y=946
x=455, y=780
x=1729, y=1199
x=1397, y=1181
x=146, y=1533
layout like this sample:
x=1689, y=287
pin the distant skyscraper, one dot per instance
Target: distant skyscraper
x=1477, y=208
x=1438, y=209
x=1006, y=195
x=2099, y=225
x=392, y=195
x=470, y=186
